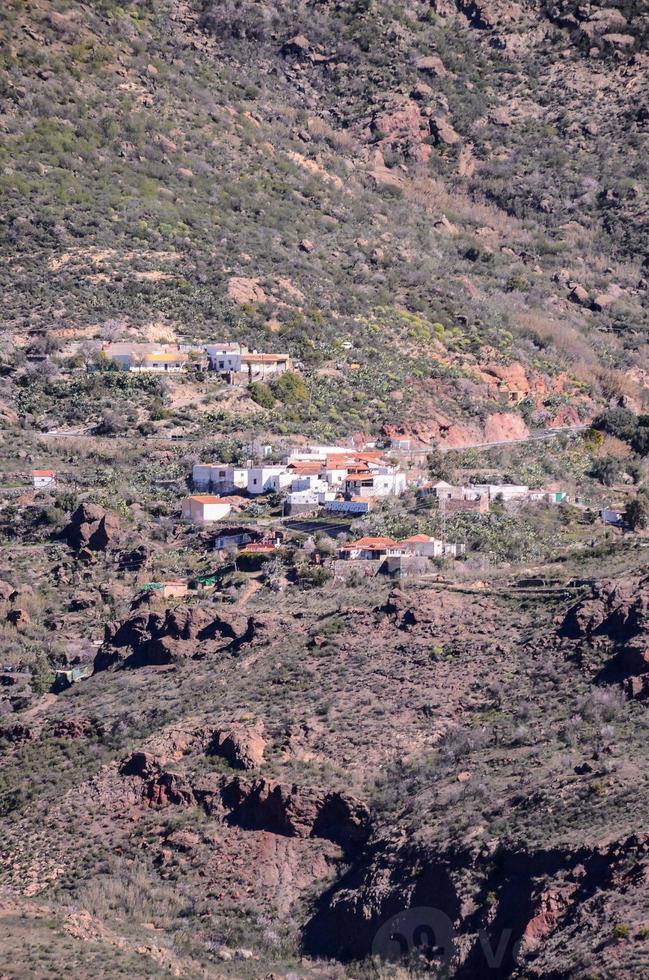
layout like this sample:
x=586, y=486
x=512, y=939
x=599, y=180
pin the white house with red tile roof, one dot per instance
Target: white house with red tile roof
x=203, y=508
x=428, y=547
x=371, y=548
x=43, y=479
x=423, y=544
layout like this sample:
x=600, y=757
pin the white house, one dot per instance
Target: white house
x=43, y=479
x=382, y=481
x=371, y=548
x=231, y=540
x=220, y=476
x=156, y=358
x=309, y=481
x=423, y=544
x=225, y=357
x=268, y=479
x=262, y=365
x=204, y=508
x=389, y=480
x=427, y=547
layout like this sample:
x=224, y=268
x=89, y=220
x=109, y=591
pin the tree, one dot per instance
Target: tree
x=272, y=571
x=619, y=422
x=42, y=676
x=637, y=512
x=606, y=470
x=111, y=424
x=290, y=388
x=439, y=466
x=261, y=394
x=640, y=441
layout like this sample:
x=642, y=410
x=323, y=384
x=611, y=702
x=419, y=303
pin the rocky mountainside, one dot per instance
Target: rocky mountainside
x=456, y=184
x=440, y=209
x=290, y=786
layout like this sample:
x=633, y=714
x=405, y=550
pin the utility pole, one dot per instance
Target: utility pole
x=442, y=513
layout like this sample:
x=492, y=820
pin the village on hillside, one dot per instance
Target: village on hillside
x=234, y=361
x=376, y=502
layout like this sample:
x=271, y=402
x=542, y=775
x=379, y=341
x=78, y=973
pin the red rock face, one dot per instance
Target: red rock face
x=504, y=427
x=171, y=635
x=259, y=804
x=402, y=128
x=550, y=906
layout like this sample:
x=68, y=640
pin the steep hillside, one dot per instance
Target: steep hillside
x=442, y=186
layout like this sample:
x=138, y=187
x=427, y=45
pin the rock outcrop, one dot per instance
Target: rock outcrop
x=243, y=747
x=92, y=527
x=166, y=636
x=259, y=804
x=616, y=613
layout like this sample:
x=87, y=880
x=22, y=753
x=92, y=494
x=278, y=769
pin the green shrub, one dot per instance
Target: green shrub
x=261, y=394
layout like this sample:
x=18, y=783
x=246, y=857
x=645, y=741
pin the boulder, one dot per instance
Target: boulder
x=73, y=728
x=296, y=47
x=579, y=295
x=296, y=812
x=421, y=92
x=444, y=225
x=81, y=601
x=242, y=289
x=18, y=618
x=156, y=637
x=442, y=132
x=619, y=42
x=258, y=804
x=17, y=733
x=606, y=299
x=432, y=65
x=242, y=747
x=500, y=116
x=402, y=127
x=92, y=528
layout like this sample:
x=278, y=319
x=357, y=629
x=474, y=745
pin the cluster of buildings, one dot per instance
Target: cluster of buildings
x=477, y=497
x=339, y=480
x=320, y=476
x=233, y=361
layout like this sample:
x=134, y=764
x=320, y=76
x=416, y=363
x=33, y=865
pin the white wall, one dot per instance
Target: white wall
x=261, y=479
x=223, y=360
x=214, y=512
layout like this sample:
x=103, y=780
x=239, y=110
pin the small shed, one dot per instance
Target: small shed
x=204, y=508
x=43, y=479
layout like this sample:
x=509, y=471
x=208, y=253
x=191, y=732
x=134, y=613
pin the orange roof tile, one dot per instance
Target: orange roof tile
x=264, y=358
x=207, y=498
x=306, y=469
x=42, y=472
